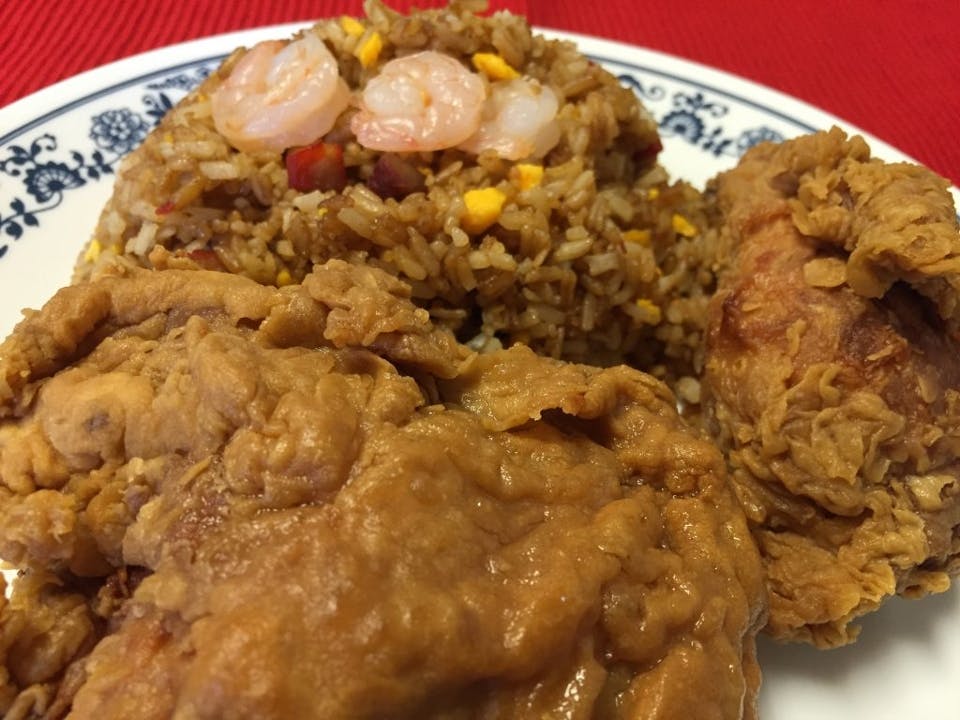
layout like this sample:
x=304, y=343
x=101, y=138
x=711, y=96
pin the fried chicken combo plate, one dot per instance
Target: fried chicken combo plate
x=268, y=456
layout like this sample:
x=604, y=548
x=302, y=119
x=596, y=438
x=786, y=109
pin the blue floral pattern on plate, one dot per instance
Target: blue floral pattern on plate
x=692, y=118
x=46, y=171
x=119, y=131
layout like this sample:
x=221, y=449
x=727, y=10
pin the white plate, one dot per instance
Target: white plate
x=58, y=149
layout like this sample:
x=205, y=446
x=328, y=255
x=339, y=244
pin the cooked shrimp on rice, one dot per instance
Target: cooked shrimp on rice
x=511, y=181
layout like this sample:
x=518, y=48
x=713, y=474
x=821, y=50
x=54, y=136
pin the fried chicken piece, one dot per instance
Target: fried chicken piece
x=43, y=628
x=336, y=511
x=832, y=377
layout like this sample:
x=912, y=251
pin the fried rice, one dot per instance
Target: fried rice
x=598, y=258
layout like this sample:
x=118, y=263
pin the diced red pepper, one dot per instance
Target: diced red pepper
x=316, y=167
x=165, y=208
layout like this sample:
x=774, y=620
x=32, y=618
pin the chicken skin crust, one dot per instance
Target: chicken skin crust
x=832, y=377
x=309, y=502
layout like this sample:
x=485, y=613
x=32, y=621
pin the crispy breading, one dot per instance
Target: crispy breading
x=833, y=377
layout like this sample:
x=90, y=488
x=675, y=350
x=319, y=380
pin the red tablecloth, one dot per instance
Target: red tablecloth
x=891, y=67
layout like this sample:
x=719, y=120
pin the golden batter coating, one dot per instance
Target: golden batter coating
x=833, y=379
x=309, y=502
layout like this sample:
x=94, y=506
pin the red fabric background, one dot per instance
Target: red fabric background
x=891, y=67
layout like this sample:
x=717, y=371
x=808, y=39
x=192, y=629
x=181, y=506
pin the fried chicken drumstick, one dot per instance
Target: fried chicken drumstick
x=833, y=377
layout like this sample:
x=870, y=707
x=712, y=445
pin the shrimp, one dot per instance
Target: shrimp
x=280, y=96
x=519, y=121
x=421, y=102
